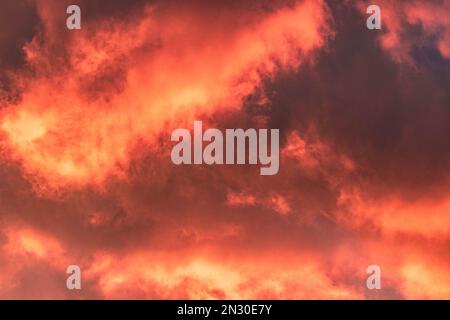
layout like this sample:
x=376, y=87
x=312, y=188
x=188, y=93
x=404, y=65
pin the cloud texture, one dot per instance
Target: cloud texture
x=85, y=123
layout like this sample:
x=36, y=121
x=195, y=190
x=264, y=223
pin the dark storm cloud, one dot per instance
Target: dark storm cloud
x=20, y=19
x=391, y=119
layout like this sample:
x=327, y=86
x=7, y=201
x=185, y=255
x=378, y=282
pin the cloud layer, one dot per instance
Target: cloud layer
x=85, y=125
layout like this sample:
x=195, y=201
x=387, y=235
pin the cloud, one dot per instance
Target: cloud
x=85, y=125
x=93, y=98
x=414, y=24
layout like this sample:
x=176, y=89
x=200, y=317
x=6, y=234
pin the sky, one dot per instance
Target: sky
x=86, y=176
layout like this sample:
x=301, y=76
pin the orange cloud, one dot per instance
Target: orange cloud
x=77, y=122
x=392, y=216
x=26, y=241
x=161, y=275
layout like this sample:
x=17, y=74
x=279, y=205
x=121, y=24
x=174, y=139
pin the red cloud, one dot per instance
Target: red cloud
x=363, y=174
x=127, y=80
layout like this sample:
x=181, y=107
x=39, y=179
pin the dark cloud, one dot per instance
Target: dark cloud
x=389, y=118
